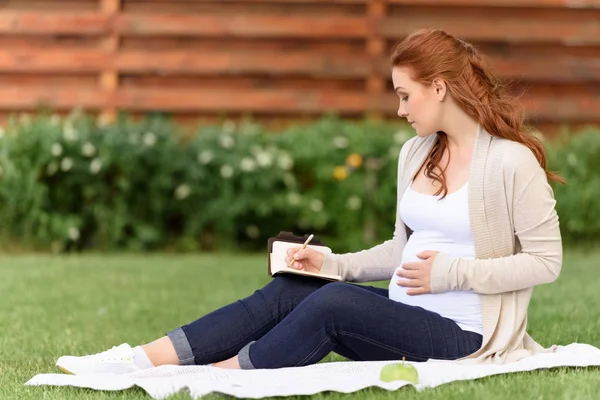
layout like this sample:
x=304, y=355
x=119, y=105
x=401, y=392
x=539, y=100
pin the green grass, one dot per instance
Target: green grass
x=84, y=304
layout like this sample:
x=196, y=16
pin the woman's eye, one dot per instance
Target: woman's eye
x=405, y=98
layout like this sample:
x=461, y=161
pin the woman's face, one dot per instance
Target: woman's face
x=419, y=104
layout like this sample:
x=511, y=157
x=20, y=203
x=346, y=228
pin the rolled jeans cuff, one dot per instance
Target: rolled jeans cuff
x=182, y=346
x=244, y=357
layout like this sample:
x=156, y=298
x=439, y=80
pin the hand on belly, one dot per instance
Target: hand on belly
x=416, y=275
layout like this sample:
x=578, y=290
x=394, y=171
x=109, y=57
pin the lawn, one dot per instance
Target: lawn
x=85, y=304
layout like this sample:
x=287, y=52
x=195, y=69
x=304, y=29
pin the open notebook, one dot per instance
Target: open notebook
x=278, y=246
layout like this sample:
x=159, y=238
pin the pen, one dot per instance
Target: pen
x=303, y=247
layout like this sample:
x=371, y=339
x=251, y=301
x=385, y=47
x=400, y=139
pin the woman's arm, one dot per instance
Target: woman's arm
x=536, y=230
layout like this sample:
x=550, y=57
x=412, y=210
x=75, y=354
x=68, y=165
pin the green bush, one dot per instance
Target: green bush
x=69, y=183
x=577, y=158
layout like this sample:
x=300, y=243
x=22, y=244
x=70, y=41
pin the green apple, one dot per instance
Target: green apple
x=399, y=372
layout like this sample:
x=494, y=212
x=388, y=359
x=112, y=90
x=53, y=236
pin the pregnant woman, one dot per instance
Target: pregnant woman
x=476, y=229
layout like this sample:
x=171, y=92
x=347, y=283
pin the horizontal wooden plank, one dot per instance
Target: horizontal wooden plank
x=504, y=3
x=53, y=60
x=55, y=23
x=488, y=27
x=294, y=102
x=53, y=81
x=316, y=64
x=251, y=1
x=185, y=62
x=276, y=101
x=562, y=108
x=564, y=69
x=15, y=98
x=55, y=5
x=500, y=27
x=274, y=45
x=242, y=25
x=244, y=8
x=240, y=62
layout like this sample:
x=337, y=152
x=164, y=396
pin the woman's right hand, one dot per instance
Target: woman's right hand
x=308, y=260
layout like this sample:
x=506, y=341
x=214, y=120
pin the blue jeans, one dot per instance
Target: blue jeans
x=296, y=320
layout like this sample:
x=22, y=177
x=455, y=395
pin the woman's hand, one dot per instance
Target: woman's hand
x=417, y=274
x=308, y=260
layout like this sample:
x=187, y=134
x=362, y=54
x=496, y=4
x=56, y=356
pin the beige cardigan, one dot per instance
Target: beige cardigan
x=515, y=232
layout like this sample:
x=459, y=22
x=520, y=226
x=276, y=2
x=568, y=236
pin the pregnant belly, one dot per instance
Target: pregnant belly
x=463, y=307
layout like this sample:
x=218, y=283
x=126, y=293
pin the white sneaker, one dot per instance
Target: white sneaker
x=118, y=360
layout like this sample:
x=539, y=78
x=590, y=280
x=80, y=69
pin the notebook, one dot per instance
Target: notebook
x=278, y=246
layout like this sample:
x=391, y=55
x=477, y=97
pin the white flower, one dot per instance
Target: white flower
x=228, y=127
x=66, y=164
x=56, y=149
x=401, y=136
x=1, y=132
x=340, y=142
x=294, y=199
x=95, y=166
x=73, y=233
x=103, y=120
x=248, y=129
x=316, y=205
x=182, y=191
x=55, y=120
x=247, y=164
x=24, y=119
x=226, y=141
x=88, y=149
x=264, y=159
x=205, y=157
x=149, y=139
x=227, y=171
x=289, y=179
x=70, y=134
x=252, y=231
x=353, y=203
x=51, y=168
x=285, y=161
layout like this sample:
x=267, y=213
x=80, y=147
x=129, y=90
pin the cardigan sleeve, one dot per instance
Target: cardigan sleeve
x=536, y=228
x=378, y=262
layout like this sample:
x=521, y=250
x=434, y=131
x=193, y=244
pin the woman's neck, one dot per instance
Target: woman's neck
x=461, y=131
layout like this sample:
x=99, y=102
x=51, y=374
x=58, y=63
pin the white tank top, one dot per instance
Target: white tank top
x=444, y=226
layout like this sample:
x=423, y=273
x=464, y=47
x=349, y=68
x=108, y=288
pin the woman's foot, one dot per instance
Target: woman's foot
x=119, y=360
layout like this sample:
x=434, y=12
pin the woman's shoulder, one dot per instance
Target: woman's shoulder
x=513, y=155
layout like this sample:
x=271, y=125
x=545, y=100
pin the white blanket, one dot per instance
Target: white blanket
x=345, y=377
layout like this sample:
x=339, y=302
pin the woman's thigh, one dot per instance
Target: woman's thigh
x=370, y=326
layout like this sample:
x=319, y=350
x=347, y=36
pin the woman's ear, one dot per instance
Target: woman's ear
x=440, y=89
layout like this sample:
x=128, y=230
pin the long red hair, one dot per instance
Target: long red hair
x=433, y=53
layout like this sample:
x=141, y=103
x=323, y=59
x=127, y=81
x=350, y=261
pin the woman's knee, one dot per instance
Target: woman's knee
x=332, y=298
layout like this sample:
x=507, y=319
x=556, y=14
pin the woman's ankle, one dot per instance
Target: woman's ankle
x=161, y=352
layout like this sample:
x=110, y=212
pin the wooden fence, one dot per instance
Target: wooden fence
x=289, y=58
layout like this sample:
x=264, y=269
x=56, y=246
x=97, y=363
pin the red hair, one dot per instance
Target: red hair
x=431, y=54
